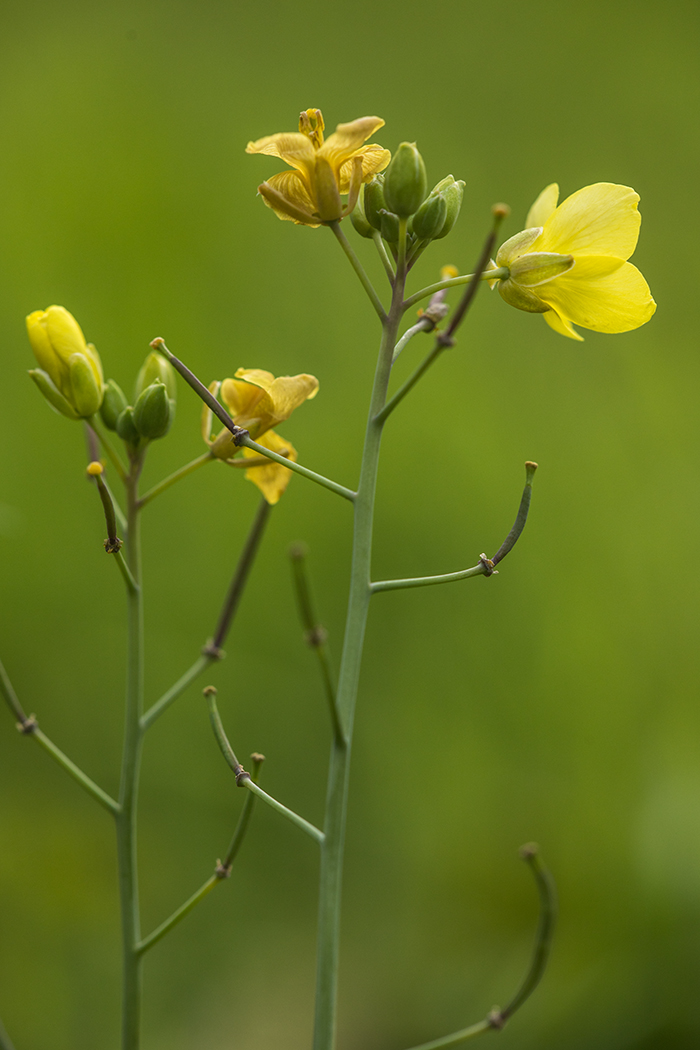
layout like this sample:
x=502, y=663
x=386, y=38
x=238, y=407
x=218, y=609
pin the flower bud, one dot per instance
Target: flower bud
x=71, y=365
x=358, y=219
x=374, y=201
x=154, y=411
x=430, y=218
x=155, y=368
x=405, y=181
x=126, y=428
x=452, y=193
x=113, y=404
x=390, y=226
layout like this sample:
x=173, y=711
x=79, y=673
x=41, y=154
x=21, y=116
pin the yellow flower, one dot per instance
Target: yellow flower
x=570, y=263
x=70, y=373
x=310, y=194
x=257, y=401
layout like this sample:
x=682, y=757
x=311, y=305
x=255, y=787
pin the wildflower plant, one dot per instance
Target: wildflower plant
x=569, y=263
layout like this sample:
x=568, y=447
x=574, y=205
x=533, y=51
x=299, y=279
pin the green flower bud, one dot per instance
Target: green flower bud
x=390, y=226
x=113, y=404
x=126, y=428
x=156, y=368
x=430, y=218
x=374, y=201
x=452, y=193
x=405, y=181
x=85, y=391
x=154, y=411
x=358, y=219
x=52, y=394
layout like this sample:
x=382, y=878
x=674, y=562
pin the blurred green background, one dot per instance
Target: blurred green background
x=555, y=702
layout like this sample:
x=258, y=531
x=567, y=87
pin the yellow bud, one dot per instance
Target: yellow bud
x=72, y=365
x=95, y=468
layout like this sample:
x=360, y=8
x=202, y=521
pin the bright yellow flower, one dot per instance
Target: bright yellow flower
x=310, y=194
x=70, y=373
x=570, y=263
x=257, y=401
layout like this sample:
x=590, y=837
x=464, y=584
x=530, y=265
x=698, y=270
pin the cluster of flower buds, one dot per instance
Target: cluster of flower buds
x=153, y=411
x=402, y=193
x=71, y=379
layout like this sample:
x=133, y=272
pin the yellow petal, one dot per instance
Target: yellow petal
x=277, y=398
x=292, y=187
x=292, y=147
x=562, y=325
x=64, y=332
x=374, y=159
x=41, y=346
x=272, y=479
x=544, y=206
x=600, y=295
x=241, y=398
x=598, y=220
x=347, y=138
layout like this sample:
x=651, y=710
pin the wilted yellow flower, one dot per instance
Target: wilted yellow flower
x=570, y=263
x=310, y=194
x=70, y=376
x=257, y=401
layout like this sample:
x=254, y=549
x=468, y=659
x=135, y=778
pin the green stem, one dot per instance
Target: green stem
x=157, y=709
x=179, y=915
x=243, y=779
x=400, y=394
x=297, y=468
x=124, y=569
x=189, y=468
x=128, y=792
x=453, y=282
x=359, y=270
x=27, y=725
x=384, y=255
x=108, y=447
x=457, y=1038
x=428, y=581
x=240, y=576
x=358, y=604
x=424, y=325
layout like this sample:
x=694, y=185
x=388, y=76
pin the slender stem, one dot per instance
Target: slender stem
x=5, y=1041
x=497, y=1019
x=28, y=726
x=178, y=915
x=453, y=282
x=408, y=386
x=240, y=576
x=243, y=779
x=157, y=709
x=315, y=635
x=124, y=569
x=359, y=270
x=384, y=255
x=358, y=604
x=428, y=581
x=128, y=793
x=297, y=468
x=423, y=325
x=108, y=447
x=309, y=828
x=183, y=472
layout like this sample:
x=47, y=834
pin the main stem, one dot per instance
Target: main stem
x=358, y=604
x=128, y=792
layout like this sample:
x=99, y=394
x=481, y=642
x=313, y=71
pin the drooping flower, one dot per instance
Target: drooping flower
x=258, y=401
x=70, y=373
x=570, y=263
x=309, y=195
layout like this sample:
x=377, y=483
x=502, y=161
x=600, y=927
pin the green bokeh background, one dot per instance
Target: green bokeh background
x=555, y=702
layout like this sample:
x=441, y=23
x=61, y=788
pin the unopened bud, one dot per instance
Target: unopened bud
x=52, y=394
x=85, y=391
x=113, y=404
x=358, y=218
x=70, y=372
x=126, y=428
x=390, y=227
x=152, y=412
x=374, y=202
x=155, y=367
x=405, y=181
x=430, y=218
x=452, y=192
